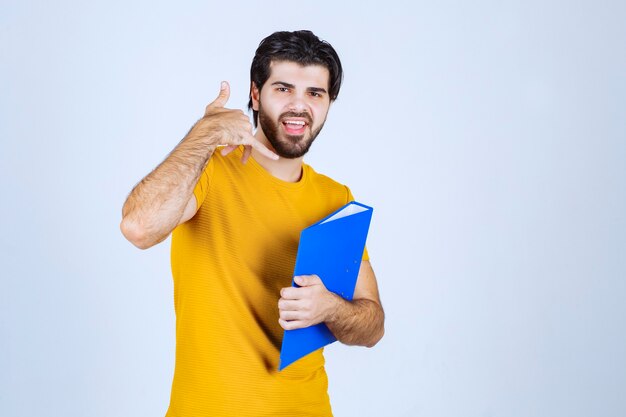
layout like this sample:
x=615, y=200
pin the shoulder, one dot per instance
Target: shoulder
x=220, y=165
x=328, y=185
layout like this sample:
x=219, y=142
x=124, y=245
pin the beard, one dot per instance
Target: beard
x=287, y=146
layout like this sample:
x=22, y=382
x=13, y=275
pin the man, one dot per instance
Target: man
x=236, y=215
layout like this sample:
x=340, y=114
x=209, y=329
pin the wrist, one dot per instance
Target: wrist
x=334, y=306
x=204, y=133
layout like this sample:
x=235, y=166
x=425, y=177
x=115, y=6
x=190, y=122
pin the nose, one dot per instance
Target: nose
x=298, y=103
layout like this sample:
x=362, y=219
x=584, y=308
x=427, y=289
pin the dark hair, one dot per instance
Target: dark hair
x=301, y=46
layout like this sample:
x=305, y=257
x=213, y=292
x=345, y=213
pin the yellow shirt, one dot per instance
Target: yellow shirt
x=229, y=263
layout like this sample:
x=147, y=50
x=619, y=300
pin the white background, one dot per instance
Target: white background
x=489, y=137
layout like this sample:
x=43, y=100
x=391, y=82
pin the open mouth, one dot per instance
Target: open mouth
x=294, y=126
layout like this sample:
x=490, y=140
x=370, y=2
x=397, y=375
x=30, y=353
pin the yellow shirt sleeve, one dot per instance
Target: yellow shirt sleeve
x=202, y=186
x=366, y=256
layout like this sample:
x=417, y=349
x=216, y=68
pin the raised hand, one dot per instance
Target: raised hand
x=229, y=128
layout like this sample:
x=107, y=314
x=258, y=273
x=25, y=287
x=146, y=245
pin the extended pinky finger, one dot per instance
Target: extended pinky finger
x=262, y=149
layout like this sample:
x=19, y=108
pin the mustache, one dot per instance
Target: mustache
x=303, y=115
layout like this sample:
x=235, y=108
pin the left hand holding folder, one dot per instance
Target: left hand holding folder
x=307, y=305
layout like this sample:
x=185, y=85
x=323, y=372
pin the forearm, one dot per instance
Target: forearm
x=357, y=322
x=155, y=206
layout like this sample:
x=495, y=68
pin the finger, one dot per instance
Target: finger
x=307, y=280
x=290, y=293
x=228, y=149
x=252, y=141
x=247, y=150
x=291, y=315
x=222, y=97
x=287, y=305
x=290, y=325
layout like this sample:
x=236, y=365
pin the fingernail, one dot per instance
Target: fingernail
x=223, y=85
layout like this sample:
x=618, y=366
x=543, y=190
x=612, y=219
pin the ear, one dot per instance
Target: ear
x=254, y=95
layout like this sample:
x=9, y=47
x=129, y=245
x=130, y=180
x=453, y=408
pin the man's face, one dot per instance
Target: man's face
x=292, y=106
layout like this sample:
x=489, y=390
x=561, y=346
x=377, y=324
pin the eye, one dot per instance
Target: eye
x=282, y=89
x=315, y=94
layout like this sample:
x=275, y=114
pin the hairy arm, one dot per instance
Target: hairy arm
x=357, y=322
x=361, y=321
x=164, y=198
x=156, y=205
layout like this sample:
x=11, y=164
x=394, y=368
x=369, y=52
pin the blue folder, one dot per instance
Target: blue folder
x=332, y=249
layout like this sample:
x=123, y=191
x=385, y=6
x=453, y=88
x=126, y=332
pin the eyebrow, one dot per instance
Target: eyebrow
x=315, y=89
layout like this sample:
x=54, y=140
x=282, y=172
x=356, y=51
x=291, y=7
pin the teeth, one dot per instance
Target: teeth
x=299, y=123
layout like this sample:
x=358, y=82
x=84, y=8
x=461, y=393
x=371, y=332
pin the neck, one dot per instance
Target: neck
x=285, y=169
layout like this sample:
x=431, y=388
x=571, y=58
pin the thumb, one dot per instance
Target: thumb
x=223, y=96
x=306, y=280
